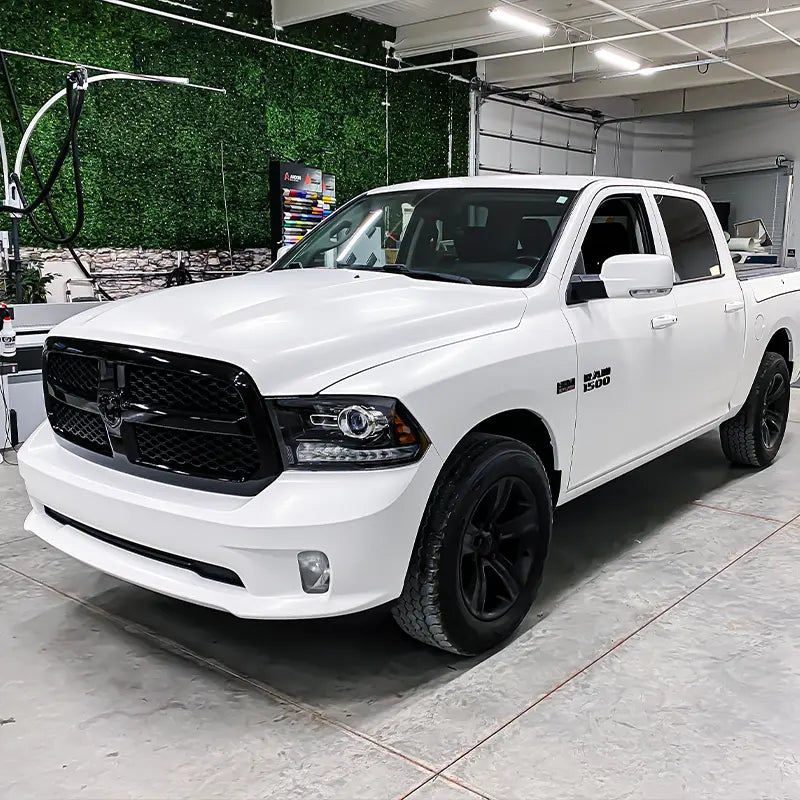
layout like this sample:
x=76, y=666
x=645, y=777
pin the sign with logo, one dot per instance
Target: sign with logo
x=295, y=175
x=329, y=185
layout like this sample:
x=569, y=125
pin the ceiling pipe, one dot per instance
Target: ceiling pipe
x=612, y=76
x=106, y=76
x=684, y=43
x=132, y=75
x=779, y=31
x=247, y=35
x=622, y=37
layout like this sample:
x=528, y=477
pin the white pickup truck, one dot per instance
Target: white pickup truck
x=390, y=414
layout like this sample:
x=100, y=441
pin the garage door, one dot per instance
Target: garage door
x=513, y=138
x=761, y=194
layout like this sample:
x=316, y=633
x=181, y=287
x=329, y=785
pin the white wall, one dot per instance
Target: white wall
x=734, y=136
x=663, y=149
x=723, y=136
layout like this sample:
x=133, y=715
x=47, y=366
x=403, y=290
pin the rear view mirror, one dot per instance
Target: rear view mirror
x=637, y=275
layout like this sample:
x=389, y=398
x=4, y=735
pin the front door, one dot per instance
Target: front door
x=625, y=346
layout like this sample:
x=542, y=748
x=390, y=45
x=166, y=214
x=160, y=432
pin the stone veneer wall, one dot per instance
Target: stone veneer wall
x=150, y=266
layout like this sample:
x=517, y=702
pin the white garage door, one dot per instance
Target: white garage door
x=513, y=138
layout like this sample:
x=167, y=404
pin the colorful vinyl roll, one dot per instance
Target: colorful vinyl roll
x=300, y=193
x=295, y=201
x=296, y=223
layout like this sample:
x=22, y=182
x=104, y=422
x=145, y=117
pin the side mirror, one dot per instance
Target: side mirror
x=637, y=275
x=282, y=251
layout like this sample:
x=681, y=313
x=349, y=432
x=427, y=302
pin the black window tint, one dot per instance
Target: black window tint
x=694, y=252
x=619, y=227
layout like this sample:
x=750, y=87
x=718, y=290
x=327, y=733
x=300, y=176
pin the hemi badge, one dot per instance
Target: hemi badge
x=565, y=386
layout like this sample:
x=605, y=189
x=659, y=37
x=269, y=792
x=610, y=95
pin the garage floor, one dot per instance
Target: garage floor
x=662, y=660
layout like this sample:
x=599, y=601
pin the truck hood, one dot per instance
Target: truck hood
x=299, y=331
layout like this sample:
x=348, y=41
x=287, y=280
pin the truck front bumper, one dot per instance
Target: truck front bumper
x=366, y=522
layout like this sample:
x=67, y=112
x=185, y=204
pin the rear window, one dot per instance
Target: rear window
x=694, y=251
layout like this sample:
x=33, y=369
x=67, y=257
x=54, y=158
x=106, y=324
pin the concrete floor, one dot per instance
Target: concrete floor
x=661, y=661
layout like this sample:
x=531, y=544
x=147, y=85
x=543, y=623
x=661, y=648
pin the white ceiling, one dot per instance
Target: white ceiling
x=438, y=26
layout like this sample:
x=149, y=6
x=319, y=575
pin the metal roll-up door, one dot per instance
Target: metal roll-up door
x=529, y=140
x=758, y=194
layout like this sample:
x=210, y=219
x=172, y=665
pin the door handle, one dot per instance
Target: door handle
x=663, y=322
x=734, y=306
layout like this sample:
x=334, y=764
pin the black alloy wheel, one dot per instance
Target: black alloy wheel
x=773, y=420
x=496, y=552
x=481, y=548
x=754, y=436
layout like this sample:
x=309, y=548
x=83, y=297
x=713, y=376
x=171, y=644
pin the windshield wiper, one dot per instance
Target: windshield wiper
x=402, y=269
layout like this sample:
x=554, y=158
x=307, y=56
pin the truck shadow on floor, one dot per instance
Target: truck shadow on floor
x=353, y=665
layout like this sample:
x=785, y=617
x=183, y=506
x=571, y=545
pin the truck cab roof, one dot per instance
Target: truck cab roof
x=565, y=182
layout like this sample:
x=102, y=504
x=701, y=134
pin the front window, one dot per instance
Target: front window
x=495, y=237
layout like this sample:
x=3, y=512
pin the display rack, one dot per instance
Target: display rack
x=300, y=198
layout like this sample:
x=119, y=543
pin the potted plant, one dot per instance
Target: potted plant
x=34, y=286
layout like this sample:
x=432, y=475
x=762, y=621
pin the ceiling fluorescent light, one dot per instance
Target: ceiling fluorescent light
x=522, y=21
x=682, y=65
x=616, y=59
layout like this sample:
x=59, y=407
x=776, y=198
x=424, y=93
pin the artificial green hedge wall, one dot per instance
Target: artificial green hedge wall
x=152, y=153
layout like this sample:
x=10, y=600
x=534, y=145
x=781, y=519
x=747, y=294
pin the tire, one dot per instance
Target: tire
x=753, y=437
x=472, y=548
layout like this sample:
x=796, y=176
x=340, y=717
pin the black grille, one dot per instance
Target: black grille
x=190, y=421
x=76, y=374
x=168, y=389
x=210, y=454
x=81, y=427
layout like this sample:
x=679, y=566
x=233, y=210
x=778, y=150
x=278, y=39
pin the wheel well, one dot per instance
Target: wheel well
x=527, y=427
x=781, y=343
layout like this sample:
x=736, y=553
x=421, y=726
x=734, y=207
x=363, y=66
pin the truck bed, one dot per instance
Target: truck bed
x=748, y=272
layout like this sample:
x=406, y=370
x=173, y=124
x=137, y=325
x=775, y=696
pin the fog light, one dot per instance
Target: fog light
x=315, y=571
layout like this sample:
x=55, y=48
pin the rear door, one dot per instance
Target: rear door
x=710, y=332
x=624, y=345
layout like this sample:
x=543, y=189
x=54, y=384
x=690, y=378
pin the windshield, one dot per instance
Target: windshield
x=497, y=237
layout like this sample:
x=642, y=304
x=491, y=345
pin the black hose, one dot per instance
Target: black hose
x=44, y=194
x=74, y=110
x=12, y=94
x=40, y=182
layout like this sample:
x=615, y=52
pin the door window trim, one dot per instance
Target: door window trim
x=665, y=236
x=654, y=227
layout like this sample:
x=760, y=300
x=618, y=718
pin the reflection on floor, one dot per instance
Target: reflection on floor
x=661, y=660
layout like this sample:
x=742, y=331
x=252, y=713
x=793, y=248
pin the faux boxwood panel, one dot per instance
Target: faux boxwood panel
x=151, y=153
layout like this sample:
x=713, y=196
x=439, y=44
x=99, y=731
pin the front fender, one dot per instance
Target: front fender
x=453, y=389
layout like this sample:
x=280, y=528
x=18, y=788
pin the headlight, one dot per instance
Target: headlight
x=347, y=432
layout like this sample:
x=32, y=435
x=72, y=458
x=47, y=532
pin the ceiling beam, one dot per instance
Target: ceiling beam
x=775, y=62
x=780, y=32
x=648, y=32
x=466, y=29
x=291, y=12
x=713, y=98
x=678, y=40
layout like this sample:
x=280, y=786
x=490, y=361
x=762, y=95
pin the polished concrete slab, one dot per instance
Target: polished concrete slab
x=353, y=709
x=703, y=703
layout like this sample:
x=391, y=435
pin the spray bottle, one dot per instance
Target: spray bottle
x=8, y=336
